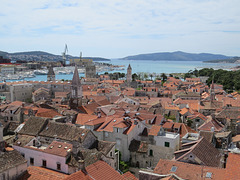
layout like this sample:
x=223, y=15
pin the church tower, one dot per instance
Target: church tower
x=212, y=92
x=76, y=90
x=129, y=74
x=51, y=74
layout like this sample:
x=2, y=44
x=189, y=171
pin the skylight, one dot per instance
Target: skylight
x=209, y=175
x=174, y=168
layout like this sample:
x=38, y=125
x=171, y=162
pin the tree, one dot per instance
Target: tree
x=187, y=75
x=151, y=75
x=135, y=77
x=145, y=76
x=164, y=77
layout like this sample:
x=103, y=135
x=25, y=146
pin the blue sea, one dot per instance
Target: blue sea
x=150, y=66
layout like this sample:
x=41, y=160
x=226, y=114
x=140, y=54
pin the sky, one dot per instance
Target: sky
x=119, y=28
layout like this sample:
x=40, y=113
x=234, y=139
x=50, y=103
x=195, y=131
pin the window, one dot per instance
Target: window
x=116, y=130
x=23, y=155
x=44, y=163
x=150, y=152
x=167, y=144
x=11, y=118
x=118, y=141
x=111, y=153
x=31, y=161
x=58, y=166
x=197, y=120
x=106, y=134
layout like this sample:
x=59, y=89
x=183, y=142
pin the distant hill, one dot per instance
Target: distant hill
x=231, y=60
x=177, y=56
x=42, y=56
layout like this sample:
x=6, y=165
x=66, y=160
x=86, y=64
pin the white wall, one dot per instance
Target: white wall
x=38, y=156
x=174, y=142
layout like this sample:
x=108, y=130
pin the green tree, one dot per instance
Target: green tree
x=145, y=76
x=164, y=77
x=151, y=76
x=135, y=77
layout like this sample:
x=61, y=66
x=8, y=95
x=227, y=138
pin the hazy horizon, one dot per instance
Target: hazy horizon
x=116, y=29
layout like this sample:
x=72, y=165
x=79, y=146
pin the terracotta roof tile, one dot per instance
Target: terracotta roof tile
x=84, y=118
x=188, y=171
x=207, y=126
x=233, y=166
x=205, y=152
x=34, y=173
x=98, y=171
x=154, y=130
x=129, y=176
x=168, y=125
x=59, y=148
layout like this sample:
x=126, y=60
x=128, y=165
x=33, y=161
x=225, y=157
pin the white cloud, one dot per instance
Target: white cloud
x=119, y=28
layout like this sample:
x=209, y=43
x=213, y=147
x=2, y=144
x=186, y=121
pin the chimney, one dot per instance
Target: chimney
x=99, y=114
x=81, y=166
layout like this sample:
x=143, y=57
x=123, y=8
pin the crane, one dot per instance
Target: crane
x=64, y=55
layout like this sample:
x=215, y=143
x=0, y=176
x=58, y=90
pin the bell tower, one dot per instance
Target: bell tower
x=51, y=74
x=129, y=74
x=76, y=90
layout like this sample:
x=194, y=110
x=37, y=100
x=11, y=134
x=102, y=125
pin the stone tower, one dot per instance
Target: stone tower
x=76, y=90
x=90, y=71
x=129, y=74
x=51, y=74
x=212, y=92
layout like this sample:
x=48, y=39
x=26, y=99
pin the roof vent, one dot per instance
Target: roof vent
x=65, y=147
x=59, y=146
x=68, y=150
x=137, y=114
x=114, y=120
x=126, y=112
x=83, y=134
x=209, y=175
x=174, y=168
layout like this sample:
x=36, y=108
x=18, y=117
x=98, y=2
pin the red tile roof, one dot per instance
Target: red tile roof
x=59, y=148
x=209, y=124
x=168, y=125
x=83, y=118
x=129, y=176
x=188, y=171
x=100, y=170
x=233, y=166
x=154, y=130
x=39, y=173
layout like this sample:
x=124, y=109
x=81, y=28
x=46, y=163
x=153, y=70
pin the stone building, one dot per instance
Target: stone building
x=90, y=71
x=41, y=94
x=51, y=74
x=20, y=92
x=12, y=165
